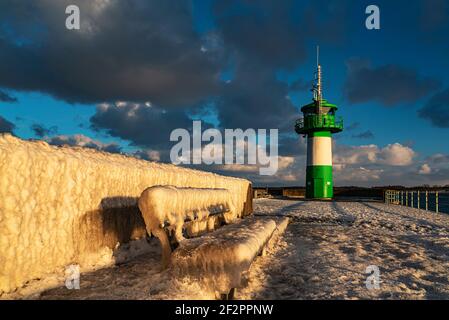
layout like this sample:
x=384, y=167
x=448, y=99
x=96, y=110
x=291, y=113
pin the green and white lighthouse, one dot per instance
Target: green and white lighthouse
x=318, y=124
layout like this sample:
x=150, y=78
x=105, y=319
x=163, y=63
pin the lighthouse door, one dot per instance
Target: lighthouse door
x=318, y=188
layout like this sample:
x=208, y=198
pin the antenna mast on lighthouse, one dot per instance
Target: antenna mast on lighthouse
x=318, y=90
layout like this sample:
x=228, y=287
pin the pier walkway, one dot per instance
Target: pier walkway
x=323, y=254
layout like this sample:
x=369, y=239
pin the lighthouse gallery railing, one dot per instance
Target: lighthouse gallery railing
x=319, y=121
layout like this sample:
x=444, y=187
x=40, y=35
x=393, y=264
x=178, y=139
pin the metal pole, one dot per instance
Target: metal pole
x=427, y=200
x=406, y=198
x=436, y=201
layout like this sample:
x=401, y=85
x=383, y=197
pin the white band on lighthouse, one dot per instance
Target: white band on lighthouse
x=319, y=151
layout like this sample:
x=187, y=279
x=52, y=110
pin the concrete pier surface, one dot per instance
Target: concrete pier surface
x=324, y=254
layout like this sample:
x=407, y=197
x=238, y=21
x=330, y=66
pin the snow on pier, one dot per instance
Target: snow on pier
x=323, y=254
x=328, y=246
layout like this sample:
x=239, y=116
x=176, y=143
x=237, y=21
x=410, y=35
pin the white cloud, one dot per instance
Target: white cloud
x=356, y=154
x=285, y=162
x=83, y=141
x=239, y=167
x=355, y=175
x=397, y=155
x=393, y=154
x=152, y=155
x=425, y=169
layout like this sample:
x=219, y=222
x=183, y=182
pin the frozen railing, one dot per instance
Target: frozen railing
x=167, y=211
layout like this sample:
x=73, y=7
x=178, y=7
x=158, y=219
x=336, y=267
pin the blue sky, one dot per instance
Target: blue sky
x=252, y=53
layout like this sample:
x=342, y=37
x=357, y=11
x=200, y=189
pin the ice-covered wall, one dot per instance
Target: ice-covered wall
x=65, y=205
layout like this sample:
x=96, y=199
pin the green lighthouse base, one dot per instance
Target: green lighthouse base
x=319, y=183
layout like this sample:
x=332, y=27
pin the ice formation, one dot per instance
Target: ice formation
x=69, y=205
x=169, y=207
x=221, y=257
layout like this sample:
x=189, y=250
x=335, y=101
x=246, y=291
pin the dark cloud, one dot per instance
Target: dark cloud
x=437, y=109
x=83, y=141
x=438, y=158
x=274, y=33
x=149, y=51
x=261, y=37
x=353, y=126
x=143, y=125
x=135, y=50
x=150, y=155
x=4, y=97
x=6, y=126
x=41, y=130
x=364, y=135
x=300, y=85
x=256, y=41
x=262, y=31
x=390, y=84
x=434, y=16
x=255, y=99
x=292, y=146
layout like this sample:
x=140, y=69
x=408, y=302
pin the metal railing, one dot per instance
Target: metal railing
x=412, y=198
x=318, y=121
